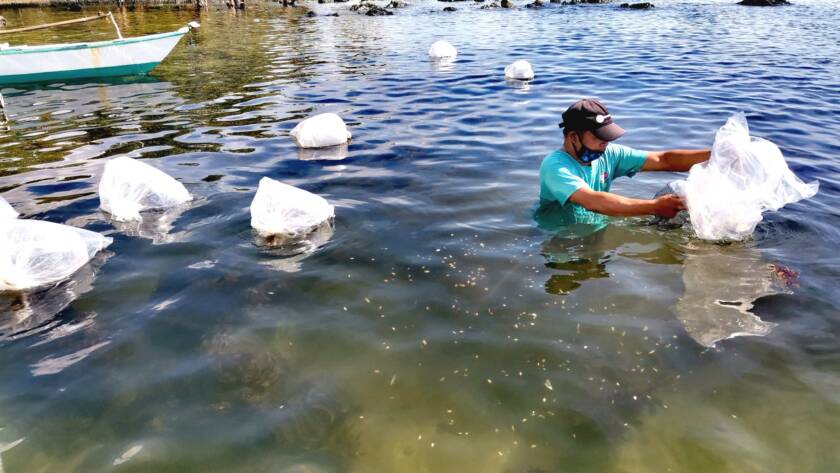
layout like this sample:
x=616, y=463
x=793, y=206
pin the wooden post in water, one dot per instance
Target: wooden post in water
x=3, y=119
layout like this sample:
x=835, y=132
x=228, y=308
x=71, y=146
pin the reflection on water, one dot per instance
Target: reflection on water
x=721, y=282
x=57, y=364
x=521, y=86
x=331, y=153
x=155, y=225
x=30, y=313
x=287, y=255
x=575, y=260
x=721, y=285
x=5, y=447
x=583, y=243
x=442, y=64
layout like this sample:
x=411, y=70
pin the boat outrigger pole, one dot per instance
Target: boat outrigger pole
x=114, y=22
x=99, y=15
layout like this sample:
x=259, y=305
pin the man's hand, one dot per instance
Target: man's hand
x=668, y=205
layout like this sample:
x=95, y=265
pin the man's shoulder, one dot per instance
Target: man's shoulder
x=557, y=157
x=615, y=150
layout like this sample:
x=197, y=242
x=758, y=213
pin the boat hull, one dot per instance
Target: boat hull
x=27, y=64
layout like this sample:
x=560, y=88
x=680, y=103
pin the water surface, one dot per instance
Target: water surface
x=436, y=326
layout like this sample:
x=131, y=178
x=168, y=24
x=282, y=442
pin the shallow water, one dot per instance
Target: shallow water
x=435, y=327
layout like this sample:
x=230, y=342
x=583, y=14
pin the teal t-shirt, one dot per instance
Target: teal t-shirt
x=561, y=175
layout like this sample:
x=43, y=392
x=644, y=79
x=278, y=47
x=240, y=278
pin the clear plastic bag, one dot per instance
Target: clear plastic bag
x=281, y=209
x=129, y=186
x=442, y=49
x=678, y=220
x=6, y=210
x=745, y=177
x=520, y=70
x=320, y=131
x=35, y=253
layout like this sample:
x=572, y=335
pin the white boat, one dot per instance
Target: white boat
x=54, y=62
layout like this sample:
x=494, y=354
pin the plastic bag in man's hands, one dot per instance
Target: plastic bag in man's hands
x=281, y=209
x=743, y=178
x=678, y=220
x=6, y=210
x=129, y=186
x=35, y=253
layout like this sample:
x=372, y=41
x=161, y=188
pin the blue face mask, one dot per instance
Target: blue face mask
x=587, y=155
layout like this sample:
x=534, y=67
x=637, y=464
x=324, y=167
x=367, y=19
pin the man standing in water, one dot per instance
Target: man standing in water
x=579, y=175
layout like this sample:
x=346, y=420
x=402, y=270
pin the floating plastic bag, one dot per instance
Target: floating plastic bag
x=35, y=253
x=6, y=210
x=281, y=209
x=129, y=186
x=320, y=131
x=744, y=178
x=442, y=49
x=520, y=70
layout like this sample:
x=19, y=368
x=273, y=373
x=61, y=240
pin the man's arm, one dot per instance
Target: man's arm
x=677, y=160
x=617, y=206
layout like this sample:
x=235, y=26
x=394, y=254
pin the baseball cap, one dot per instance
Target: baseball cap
x=590, y=114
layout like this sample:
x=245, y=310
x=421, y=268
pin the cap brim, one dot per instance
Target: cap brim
x=609, y=132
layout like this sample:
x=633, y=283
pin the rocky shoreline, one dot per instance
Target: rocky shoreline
x=363, y=7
